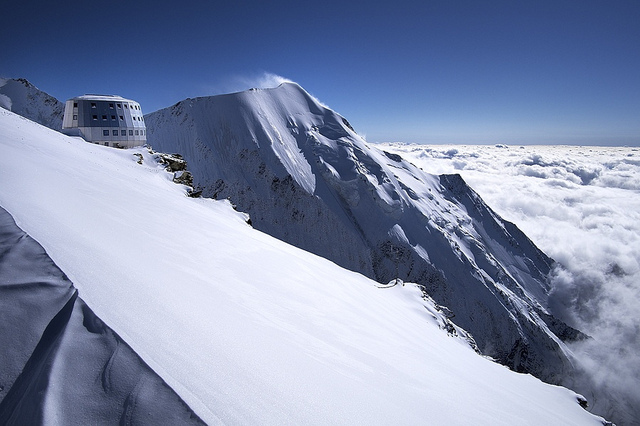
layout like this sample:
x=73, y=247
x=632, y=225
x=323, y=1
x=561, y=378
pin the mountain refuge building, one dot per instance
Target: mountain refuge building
x=108, y=120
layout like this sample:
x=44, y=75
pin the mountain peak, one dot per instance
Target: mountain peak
x=23, y=98
x=274, y=334
x=304, y=176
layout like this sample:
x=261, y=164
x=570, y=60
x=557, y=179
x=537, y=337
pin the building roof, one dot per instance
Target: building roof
x=93, y=97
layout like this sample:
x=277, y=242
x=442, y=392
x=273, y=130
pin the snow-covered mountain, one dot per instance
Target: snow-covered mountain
x=245, y=328
x=23, y=98
x=305, y=176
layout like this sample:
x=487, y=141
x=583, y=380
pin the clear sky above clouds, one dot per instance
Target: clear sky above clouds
x=449, y=71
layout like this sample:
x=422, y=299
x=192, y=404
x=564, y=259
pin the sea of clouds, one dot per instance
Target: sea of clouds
x=581, y=206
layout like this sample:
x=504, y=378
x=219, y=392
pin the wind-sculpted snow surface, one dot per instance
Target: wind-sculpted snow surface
x=60, y=363
x=305, y=176
x=245, y=328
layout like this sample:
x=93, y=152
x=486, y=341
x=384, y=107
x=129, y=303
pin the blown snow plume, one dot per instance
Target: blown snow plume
x=305, y=176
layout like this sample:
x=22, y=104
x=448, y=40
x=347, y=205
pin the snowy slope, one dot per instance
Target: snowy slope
x=245, y=328
x=23, y=98
x=306, y=177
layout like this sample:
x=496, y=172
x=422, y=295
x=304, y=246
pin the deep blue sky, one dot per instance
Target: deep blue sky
x=447, y=71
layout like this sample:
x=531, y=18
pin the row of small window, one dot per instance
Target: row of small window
x=113, y=117
x=95, y=105
x=123, y=132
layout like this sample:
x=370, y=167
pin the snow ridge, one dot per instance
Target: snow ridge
x=54, y=381
x=305, y=176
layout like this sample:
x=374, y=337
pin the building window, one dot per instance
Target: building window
x=136, y=133
x=130, y=132
x=113, y=117
x=106, y=144
x=95, y=117
x=123, y=133
x=141, y=132
x=121, y=117
x=93, y=105
x=105, y=133
x=114, y=132
x=119, y=105
x=104, y=117
x=111, y=106
x=75, y=105
x=75, y=117
x=126, y=106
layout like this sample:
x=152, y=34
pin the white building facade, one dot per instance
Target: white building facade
x=105, y=120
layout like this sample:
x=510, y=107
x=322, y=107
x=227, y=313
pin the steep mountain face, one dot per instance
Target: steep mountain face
x=245, y=328
x=23, y=98
x=60, y=362
x=305, y=176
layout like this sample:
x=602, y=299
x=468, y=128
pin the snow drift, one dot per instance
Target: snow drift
x=60, y=363
x=245, y=328
x=305, y=176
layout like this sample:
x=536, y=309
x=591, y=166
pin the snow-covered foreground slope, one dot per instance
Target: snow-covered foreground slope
x=306, y=177
x=581, y=205
x=245, y=328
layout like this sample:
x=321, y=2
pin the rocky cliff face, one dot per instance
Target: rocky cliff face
x=305, y=176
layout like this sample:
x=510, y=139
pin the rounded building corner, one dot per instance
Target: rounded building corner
x=108, y=120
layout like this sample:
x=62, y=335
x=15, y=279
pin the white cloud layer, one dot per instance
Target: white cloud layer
x=581, y=205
